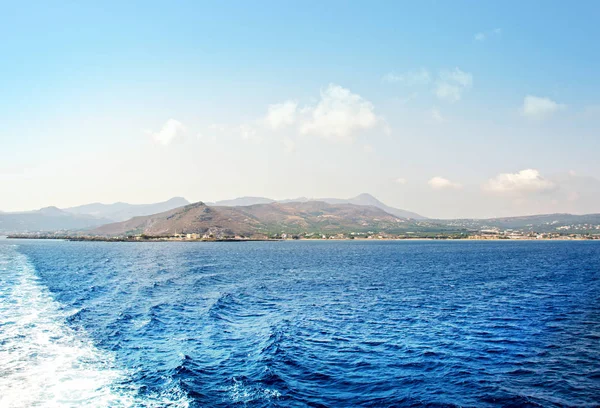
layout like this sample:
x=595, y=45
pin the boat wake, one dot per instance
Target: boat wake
x=45, y=362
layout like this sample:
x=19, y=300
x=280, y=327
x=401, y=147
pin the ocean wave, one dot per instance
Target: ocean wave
x=43, y=362
x=243, y=392
x=244, y=333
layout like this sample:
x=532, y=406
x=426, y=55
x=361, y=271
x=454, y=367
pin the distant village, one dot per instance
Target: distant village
x=216, y=234
x=511, y=234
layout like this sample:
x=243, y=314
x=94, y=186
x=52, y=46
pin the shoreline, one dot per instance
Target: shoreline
x=172, y=239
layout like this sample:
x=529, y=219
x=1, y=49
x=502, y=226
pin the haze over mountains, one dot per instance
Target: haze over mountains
x=47, y=219
x=309, y=217
x=361, y=199
x=253, y=215
x=124, y=211
x=95, y=214
x=80, y=217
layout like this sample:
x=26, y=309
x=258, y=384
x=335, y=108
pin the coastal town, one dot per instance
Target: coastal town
x=214, y=235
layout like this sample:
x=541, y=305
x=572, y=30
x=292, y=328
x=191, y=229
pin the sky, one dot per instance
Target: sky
x=450, y=109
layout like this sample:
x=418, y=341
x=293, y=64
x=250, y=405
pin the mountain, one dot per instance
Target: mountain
x=124, y=211
x=82, y=217
x=368, y=199
x=53, y=212
x=362, y=199
x=46, y=220
x=545, y=219
x=242, y=201
x=259, y=219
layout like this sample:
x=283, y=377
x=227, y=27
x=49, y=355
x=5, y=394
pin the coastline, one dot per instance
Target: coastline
x=178, y=239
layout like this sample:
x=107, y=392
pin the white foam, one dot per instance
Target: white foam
x=239, y=392
x=43, y=362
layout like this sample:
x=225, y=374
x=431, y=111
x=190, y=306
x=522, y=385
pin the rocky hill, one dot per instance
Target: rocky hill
x=259, y=219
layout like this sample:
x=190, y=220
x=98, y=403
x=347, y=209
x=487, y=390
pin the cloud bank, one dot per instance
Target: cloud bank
x=281, y=114
x=524, y=181
x=339, y=114
x=171, y=130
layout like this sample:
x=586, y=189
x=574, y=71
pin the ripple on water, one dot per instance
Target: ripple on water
x=303, y=324
x=43, y=361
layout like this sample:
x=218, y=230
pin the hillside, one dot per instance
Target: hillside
x=192, y=218
x=361, y=199
x=550, y=220
x=259, y=219
x=368, y=199
x=537, y=223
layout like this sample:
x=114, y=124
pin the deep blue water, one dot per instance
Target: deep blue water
x=331, y=324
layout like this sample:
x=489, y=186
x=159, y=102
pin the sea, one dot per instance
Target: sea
x=299, y=324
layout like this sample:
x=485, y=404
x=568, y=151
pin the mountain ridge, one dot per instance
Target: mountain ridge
x=361, y=199
x=78, y=219
x=257, y=219
x=85, y=216
x=121, y=211
x=47, y=219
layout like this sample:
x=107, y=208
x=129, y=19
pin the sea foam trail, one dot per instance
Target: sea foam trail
x=43, y=362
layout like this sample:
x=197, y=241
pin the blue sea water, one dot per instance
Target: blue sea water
x=321, y=324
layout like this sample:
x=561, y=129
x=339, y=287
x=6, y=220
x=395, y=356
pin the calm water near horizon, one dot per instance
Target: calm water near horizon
x=322, y=324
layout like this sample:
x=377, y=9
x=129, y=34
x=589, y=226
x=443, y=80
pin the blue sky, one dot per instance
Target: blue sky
x=142, y=101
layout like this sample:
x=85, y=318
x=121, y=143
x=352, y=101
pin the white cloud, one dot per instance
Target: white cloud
x=452, y=84
x=482, y=36
x=401, y=180
x=249, y=133
x=246, y=131
x=281, y=114
x=457, y=76
x=447, y=92
x=339, y=114
x=538, y=108
x=440, y=183
x=218, y=128
x=449, y=85
x=413, y=78
x=171, y=130
x=207, y=136
x=368, y=148
x=524, y=181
